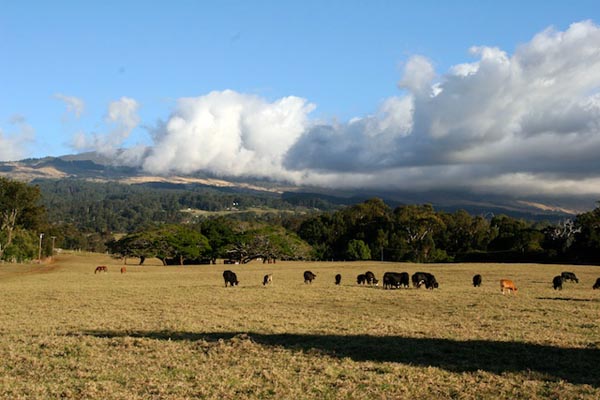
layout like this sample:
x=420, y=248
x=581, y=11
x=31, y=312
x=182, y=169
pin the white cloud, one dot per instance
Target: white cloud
x=228, y=133
x=13, y=143
x=522, y=122
x=121, y=119
x=74, y=104
x=533, y=117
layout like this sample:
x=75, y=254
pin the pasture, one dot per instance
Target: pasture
x=159, y=332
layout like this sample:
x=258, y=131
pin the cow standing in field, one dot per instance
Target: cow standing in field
x=338, y=279
x=424, y=278
x=123, y=270
x=431, y=283
x=418, y=278
x=597, y=284
x=267, y=279
x=361, y=279
x=101, y=268
x=391, y=280
x=508, y=285
x=230, y=278
x=309, y=276
x=371, y=280
x=557, y=282
x=569, y=276
x=477, y=280
x=395, y=280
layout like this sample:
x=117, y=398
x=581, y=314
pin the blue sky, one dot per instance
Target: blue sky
x=345, y=58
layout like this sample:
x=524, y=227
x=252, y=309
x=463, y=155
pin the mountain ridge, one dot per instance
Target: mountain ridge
x=94, y=167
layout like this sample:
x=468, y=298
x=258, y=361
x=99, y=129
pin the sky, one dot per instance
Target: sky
x=486, y=96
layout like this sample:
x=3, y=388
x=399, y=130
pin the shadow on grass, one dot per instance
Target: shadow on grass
x=569, y=299
x=575, y=365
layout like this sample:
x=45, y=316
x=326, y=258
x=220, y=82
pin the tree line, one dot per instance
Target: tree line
x=370, y=230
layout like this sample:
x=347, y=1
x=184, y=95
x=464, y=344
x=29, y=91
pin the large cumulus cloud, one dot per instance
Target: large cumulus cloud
x=527, y=122
x=228, y=133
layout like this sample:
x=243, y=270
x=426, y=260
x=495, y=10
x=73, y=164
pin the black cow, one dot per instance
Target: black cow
x=569, y=276
x=371, y=280
x=477, y=280
x=267, y=279
x=557, y=282
x=338, y=279
x=361, y=279
x=395, y=280
x=230, y=278
x=597, y=284
x=420, y=278
x=309, y=277
x=431, y=283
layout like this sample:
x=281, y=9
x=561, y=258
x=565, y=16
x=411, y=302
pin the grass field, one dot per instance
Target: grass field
x=177, y=333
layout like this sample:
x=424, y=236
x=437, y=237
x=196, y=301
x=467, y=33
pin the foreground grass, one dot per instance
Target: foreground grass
x=174, y=333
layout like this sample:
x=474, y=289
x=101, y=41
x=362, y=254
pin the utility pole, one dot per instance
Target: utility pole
x=40, y=249
x=52, y=254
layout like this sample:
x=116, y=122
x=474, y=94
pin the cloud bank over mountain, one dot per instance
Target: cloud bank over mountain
x=524, y=123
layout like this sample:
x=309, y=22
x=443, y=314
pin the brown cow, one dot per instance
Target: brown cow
x=101, y=268
x=123, y=270
x=507, y=284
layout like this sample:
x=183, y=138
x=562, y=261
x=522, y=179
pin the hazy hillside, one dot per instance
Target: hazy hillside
x=93, y=167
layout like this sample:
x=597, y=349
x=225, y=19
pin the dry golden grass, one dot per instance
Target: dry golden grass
x=177, y=333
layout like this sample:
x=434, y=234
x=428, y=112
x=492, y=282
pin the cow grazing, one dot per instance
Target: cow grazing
x=101, y=268
x=267, y=279
x=557, y=282
x=431, y=283
x=309, y=276
x=338, y=279
x=507, y=285
x=477, y=280
x=371, y=280
x=424, y=278
x=597, y=284
x=361, y=279
x=230, y=278
x=123, y=270
x=418, y=279
x=395, y=280
x=569, y=276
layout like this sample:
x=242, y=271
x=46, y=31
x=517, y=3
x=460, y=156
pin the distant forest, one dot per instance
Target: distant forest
x=158, y=219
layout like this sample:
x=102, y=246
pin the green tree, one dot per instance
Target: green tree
x=19, y=210
x=179, y=243
x=358, y=250
x=417, y=226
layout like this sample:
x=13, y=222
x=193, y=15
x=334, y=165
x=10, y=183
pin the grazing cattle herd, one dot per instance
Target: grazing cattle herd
x=396, y=280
